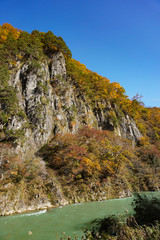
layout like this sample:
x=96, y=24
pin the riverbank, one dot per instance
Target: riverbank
x=71, y=219
x=47, y=205
x=21, y=198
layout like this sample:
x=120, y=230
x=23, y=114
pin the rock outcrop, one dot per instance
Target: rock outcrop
x=51, y=104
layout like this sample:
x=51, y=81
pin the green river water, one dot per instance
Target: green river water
x=48, y=225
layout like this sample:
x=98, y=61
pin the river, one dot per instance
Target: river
x=48, y=225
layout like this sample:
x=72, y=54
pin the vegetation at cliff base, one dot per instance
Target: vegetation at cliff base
x=97, y=160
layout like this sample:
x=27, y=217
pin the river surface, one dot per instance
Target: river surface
x=49, y=225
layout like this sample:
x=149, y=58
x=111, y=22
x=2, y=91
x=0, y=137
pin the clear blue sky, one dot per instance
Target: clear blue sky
x=119, y=39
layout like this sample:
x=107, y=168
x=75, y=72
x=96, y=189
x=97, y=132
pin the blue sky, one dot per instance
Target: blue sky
x=119, y=39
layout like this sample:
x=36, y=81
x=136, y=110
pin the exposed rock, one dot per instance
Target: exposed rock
x=58, y=66
x=128, y=129
x=51, y=104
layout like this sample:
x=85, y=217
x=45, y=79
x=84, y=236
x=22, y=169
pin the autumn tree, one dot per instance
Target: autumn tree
x=87, y=154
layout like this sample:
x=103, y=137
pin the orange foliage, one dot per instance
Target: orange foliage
x=7, y=29
x=89, y=153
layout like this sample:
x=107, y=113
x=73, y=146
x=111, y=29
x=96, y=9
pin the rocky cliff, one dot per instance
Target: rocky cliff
x=50, y=103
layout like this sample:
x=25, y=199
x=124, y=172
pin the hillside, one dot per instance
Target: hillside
x=66, y=133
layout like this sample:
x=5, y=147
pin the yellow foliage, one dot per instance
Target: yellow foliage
x=144, y=141
x=90, y=165
x=14, y=173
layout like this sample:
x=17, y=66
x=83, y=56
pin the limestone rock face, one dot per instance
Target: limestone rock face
x=58, y=66
x=51, y=104
x=128, y=129
x=36, y=93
